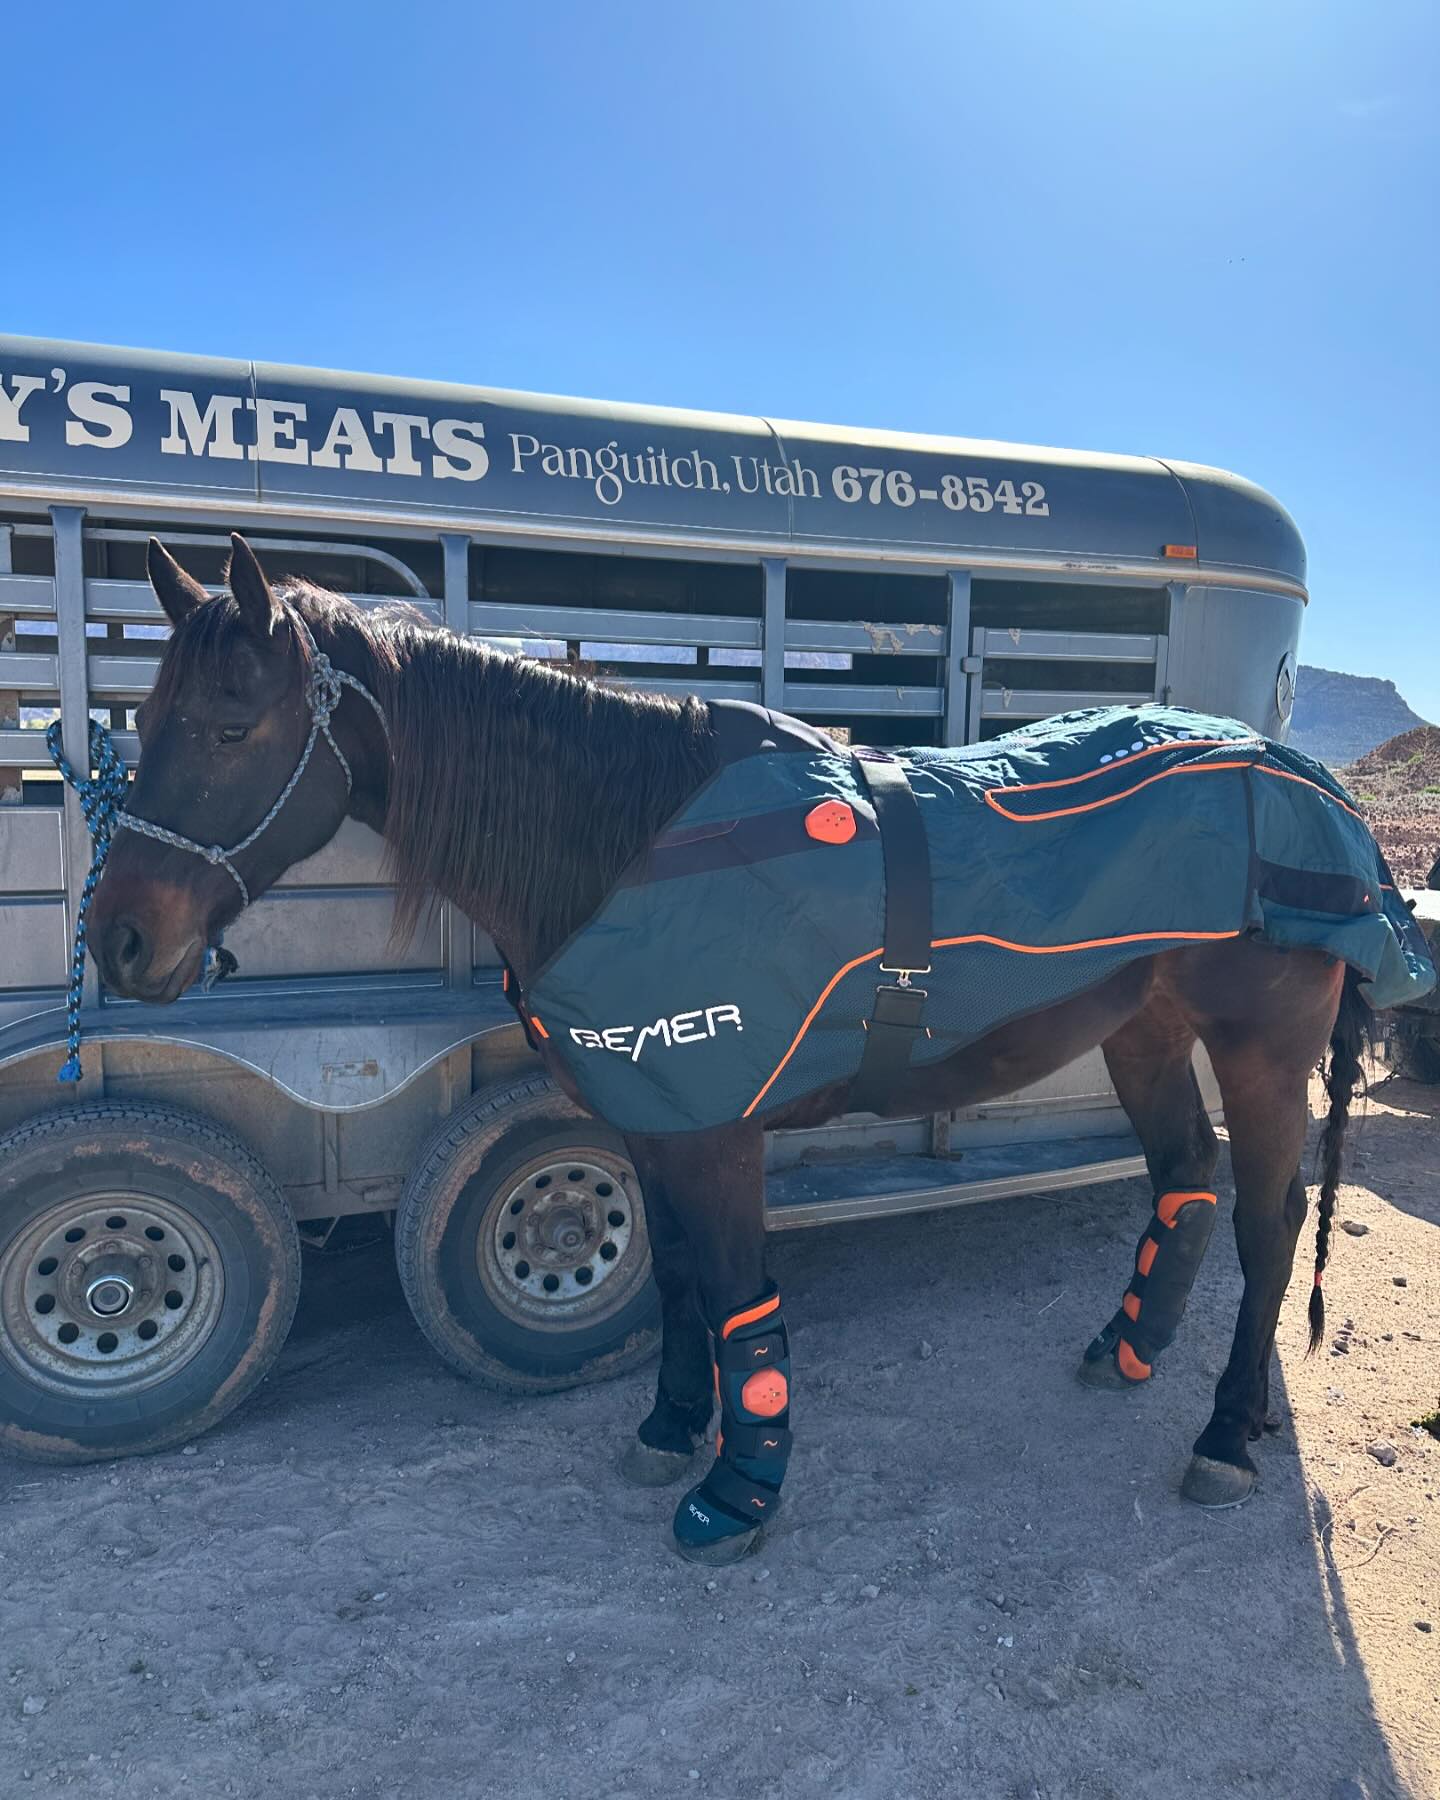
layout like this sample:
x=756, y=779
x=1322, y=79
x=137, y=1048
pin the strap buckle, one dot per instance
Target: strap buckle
x=904, y=974
x=898, y=1006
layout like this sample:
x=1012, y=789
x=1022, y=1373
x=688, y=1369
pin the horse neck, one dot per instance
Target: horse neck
x=520, y=792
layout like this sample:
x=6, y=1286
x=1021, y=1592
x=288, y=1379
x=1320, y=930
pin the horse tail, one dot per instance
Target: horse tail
x=1343, y=1074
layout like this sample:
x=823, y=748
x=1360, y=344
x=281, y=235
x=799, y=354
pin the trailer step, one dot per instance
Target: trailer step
x=872, y=1187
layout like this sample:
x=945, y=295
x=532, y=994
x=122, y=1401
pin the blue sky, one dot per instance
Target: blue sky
x=1204, y=229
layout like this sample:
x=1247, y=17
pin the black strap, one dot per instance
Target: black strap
x=743, y=1355
x=907, y=862
x=899, y=1005
x=761, y=1443
x=747, y=1499
x=1104, y=1342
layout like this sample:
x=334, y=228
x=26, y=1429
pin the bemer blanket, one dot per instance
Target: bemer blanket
x=732, y=968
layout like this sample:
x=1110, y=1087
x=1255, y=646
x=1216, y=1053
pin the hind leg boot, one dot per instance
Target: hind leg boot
x=1166, y=1263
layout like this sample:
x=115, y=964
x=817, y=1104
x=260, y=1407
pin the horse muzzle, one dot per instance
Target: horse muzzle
x=135, y=967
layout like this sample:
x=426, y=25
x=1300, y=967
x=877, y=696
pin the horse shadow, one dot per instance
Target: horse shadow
x=1393, y=1145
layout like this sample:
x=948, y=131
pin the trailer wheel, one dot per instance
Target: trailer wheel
x=521, y=1244
x=149, y=1268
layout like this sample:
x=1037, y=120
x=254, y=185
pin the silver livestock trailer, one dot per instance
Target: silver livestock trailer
x=893, y=588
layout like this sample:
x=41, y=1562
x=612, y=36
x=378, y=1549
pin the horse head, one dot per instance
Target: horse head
x=234, y=783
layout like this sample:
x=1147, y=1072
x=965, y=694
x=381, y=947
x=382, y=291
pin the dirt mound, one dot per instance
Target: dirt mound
x=1397, y=787
x=1413, y=759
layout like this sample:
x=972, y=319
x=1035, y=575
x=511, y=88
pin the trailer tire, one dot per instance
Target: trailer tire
x=521, y=1245
x=149, y=1269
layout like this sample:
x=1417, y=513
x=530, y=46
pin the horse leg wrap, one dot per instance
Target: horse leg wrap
x=1166, y=1264
x=752, y=1382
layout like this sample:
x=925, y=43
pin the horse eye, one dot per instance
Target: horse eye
x=234, y=734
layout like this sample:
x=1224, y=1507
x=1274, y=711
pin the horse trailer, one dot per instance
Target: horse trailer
x=894, y=589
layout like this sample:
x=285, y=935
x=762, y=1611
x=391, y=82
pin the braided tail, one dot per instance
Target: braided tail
x=1343, y=1075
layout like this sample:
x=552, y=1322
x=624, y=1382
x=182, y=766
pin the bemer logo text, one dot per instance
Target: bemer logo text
x=695, y=1027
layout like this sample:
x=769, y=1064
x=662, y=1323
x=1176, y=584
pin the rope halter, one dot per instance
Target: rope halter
x=102, y=803
x=322, y=695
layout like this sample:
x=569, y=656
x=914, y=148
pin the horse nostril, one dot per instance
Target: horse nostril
x=126, y=944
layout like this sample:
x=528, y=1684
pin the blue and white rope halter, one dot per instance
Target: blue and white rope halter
x=102, y=803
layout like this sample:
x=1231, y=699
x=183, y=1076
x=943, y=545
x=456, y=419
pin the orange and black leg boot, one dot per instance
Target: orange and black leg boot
x=1166, y=1263
x=718, y=1521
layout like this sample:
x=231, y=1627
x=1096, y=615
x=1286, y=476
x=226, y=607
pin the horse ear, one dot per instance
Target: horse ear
x=176, y=591
x=258, y=606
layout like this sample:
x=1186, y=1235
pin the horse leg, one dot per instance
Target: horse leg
x=1267, y=1139
x=664, y=1448
x=1149, y=1063
x=714, y=1181
x=686, y=1209
x=1263, y=1064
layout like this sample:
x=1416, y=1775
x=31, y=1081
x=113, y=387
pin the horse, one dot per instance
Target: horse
x=522, y=792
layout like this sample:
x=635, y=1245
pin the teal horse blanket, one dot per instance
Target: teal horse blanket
x=733, y=967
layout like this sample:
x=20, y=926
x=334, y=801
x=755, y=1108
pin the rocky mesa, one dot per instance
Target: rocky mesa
x=1338, y=718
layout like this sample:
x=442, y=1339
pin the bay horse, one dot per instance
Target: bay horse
x=521, y=792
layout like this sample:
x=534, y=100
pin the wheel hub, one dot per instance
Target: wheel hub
x=565, y=1237
x=113, y=1291
x=109, y=1294
x=565, y=1230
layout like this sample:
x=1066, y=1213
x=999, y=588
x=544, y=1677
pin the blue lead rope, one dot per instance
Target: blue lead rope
x=102, y=800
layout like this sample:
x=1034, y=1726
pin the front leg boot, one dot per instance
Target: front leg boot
x=718, y=1521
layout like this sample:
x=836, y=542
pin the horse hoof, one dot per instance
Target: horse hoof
x=1216, y=1485
x=644, y=1466
x=1103, y=1374
x=719, y=1551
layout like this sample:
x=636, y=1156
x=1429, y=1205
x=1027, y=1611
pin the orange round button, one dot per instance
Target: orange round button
x=766, y=1394
x=831, y=822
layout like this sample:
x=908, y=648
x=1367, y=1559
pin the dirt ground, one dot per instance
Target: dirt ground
x=377, y=1581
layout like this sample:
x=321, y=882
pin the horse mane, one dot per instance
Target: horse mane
x=519, y=789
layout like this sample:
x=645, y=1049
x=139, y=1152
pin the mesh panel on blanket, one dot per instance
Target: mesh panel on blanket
x=974, y=986
x=971, y=987
x=829, y=1053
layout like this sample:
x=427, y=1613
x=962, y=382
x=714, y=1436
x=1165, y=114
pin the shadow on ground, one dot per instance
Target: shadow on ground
x=1393, y=1146
x=378, y=1580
